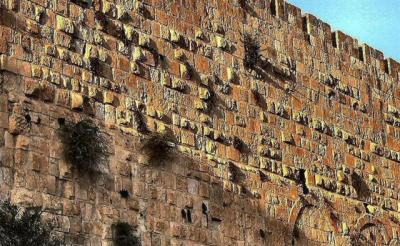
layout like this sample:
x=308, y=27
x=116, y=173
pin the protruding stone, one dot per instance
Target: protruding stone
x=287, y=137
x=200, y=34
x=371, y=209
x=231, y=75
x=178, y=84
x=185, y=71
x=179, y=55
x=204, y=93
x=345, y=229
x=129, y=32
x=144, y=41
x=64, y=24
x=174, y=36
x=341, y=176
x=135, y=68
x=221, y=42
x=138, y=55
x=200, y=105
x=76, y=101
x=319, y=180
x=286, y=171
x=122, y=12
x=165, y=79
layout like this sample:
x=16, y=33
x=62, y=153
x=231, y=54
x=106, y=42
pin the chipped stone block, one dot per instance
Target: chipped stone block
x=50, y=50
x=204, y=93
x=122, y=12
x=200, y=105
x=135, y=68
x=371, y=209
x=221, y=42
x=211, y=147
x=76, y=101
x=286, y=171
x=108, y=97
x=129, y=32
x=165, y=79
x=185, y=71
x=287, y=137
x=179, y=55
x=231, y=74
x=178, y=84
x=64, y=24
x=106, y=7
x=205, y=119
x=341, y=176
x=144, y=40
x=63, y=54
x=174, y=36
x=319, y=180
x=36, y=71
x=199, y=34
x=138, y=55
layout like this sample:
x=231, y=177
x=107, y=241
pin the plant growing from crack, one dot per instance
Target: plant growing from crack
x=158, y=148
x=124, y=235
x=21, y=227
x=84, y=146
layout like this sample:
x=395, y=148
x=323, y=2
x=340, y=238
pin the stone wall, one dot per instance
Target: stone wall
x=303, y=150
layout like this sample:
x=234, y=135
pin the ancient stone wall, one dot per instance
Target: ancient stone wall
x=298, y=147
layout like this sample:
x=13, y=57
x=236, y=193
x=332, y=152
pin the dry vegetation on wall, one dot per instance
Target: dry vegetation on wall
x=158, y=149
x=24, y=227
x=125, y=235
x=84, y=146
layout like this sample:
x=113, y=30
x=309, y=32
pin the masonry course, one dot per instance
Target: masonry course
x=302, y=148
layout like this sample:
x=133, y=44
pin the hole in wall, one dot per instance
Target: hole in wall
x=302, y=181
x=28, y=118
x=361, y=54
x=334, y=40
x=124, y=193
x=186, y=215
x=204, y=208
x=273, y=8
x=262, y=234
x=61, y=121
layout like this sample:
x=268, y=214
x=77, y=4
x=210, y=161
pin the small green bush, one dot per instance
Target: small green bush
x=84, y=145
x=124, y=235
x=24, y=227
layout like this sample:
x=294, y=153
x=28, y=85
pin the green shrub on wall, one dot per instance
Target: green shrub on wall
x=85, y=147
x=23, y=227
x=124, y=235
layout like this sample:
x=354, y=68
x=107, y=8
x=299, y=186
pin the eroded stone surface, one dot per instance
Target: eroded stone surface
x=300, y=149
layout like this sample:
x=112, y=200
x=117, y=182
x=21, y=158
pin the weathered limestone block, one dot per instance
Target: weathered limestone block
x=174, y=36
x=76, y=101
x=135, y=68
x=200, y=105
x=138, y=55
x=64, y=24
x=144, y=41
x=184, y=71
x=204, y=93
x=231, y=75
x=287, y=137
x=221, y=42
x=178, y=84
x=179, y=55
x=165, y=79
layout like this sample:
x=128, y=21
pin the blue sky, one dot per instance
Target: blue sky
x=375, y=22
